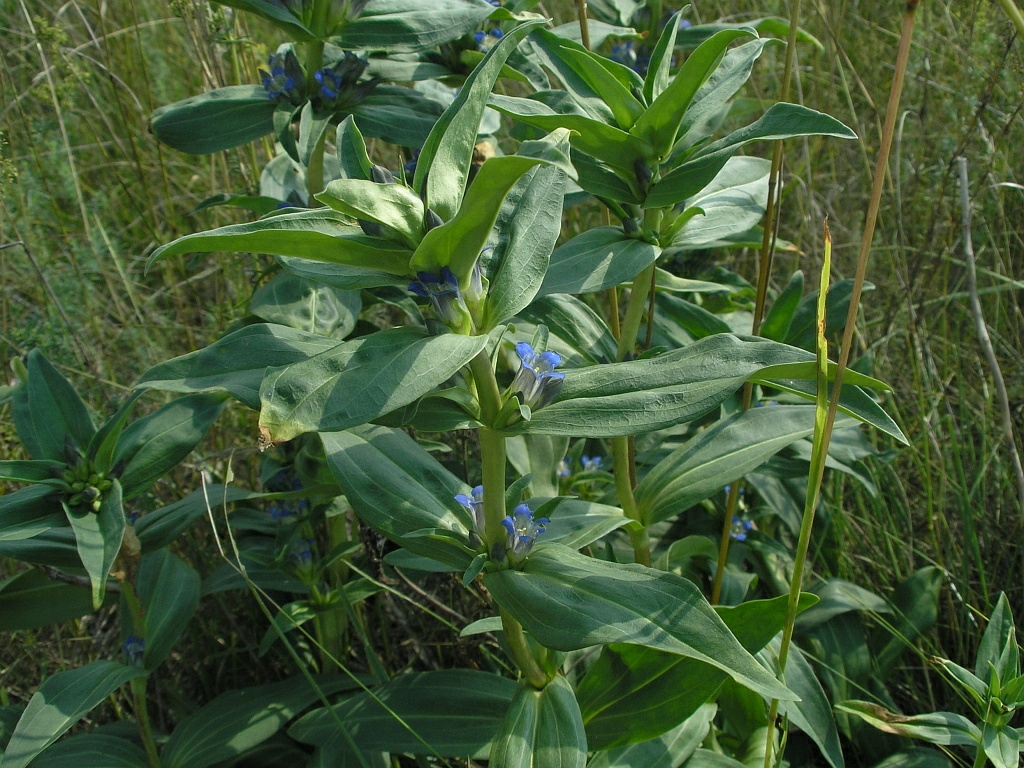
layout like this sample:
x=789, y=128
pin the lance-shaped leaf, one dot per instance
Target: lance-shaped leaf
x=397, y=488
x=28, y=512
x=597, y=259
x=541, y=728
x=32, y=599
x=411, y=25
x=998, y=647
x=443, y=167
x=341, y=276
x=156, y=443
x=456, y=244
x=398, y=115
x=568, y=601
x=934, y=727
x=237, y=362
x=577, y=524
x=581, y=333
x=659, y=125
x=731, y=204
x=239, y=720
x=716, y=456
x=43, y=471
x=392, y=205
x=169, y=592
x=813, y=713
x=527, y=228
x=98, y=537
x=47, y=412
x=447, y=713
x=275, y=12
x=644, y=395
x=781, y=121
x=360, y=380
x=215, y=120
x=608, y=79
x=93, y=750
x=306, y=305
x=59, y=703
x=321, y=235
x=632, y=694
x=612, y=145
x=670, y=749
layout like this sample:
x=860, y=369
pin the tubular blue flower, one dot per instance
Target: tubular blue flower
x=590, y=464
x=523, y=531
x=339, y=83
x=475, y=505
x=285, y=80
x=739, y=528
x=445, y=298
x=134, y=648
x=537, y=383
x=563, y=468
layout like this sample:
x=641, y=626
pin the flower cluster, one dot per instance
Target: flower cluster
x=445, y=297
x=133, y=649
x=285, y=80
x=475, y=504
x=740, y=528
x=522, y=530
x=537, y=383
x=339, y=83
x=487, y=40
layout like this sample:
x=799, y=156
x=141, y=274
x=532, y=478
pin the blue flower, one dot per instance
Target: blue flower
x=537, y=383
x=590, y=464
x=133, y=648
x=445, y=298
x=339, y=83
x=564, y=470
x=285, y=80
x=523, y=531
x=739, y=528
x=475, y=505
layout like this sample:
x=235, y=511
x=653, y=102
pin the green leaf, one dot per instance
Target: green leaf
x=443, y=167
x=103, y=445
x=392, y=205
x=215, y=120
x=352, y=156
x=581, y=334
x=916, y=608
x=98, y=537
x=781, y=121
x=541, y=728
x=47, y=411
x=659, y=69
x=397, y=489
x=659, y=125
x=935, y=727
x=156, y=443
x=655, y=393
x=614, y=146
x=453, y=712
x=360, y=380
x=239, y=720
x=613, y=603
x=609, y=81
x=577, y=524
x=411, y=25
x=308, y=306
x=44, y=471
x=715, y=457
x=397, y=115
x=340, y=276
x=998, y=646
x=169, y=591
x=537, y=456
x=93, y=750
x=670, y=749
x=732, y=203
x=595, y=260
x=1002, y=745
x=31, y=600
x=237, y=362
x=457, y=243
x=258, y=204
x=813, y=713
x=526, y=232
x=632, y=694
x=59, y=703
x=321, y=235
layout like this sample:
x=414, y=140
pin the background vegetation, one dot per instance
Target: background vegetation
x=87, y=194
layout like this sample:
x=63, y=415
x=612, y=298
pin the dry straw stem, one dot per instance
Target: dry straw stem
x=982, y=329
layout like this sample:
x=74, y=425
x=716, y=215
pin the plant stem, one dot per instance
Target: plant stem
x=581, y=10
x=1010, y=8
x=492, y=448
x=138, y=687
x=521, y=654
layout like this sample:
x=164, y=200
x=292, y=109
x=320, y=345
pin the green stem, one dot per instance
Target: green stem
x=521, y=654
x=634, y=313
x=1010, y=9
x=138, y=686
x=638, y=535
x=492, y=448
